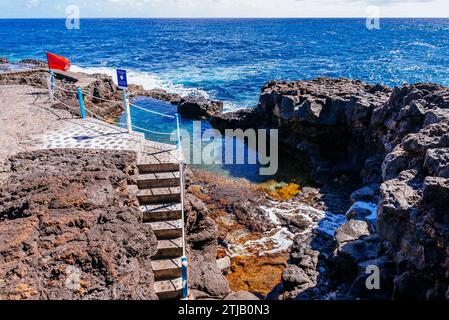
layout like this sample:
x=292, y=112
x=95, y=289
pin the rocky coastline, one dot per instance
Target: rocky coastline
x=379, y=157
x=102, y=90
x=393, y=142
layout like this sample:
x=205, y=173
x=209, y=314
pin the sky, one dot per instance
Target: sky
x=223, y=8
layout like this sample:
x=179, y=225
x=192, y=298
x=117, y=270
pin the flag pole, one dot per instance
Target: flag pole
x=51, y=85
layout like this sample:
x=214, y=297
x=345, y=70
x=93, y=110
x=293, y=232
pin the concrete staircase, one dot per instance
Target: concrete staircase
x=159, y=195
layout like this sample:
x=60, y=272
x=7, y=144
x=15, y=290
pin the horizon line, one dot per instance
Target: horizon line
x=223, y=18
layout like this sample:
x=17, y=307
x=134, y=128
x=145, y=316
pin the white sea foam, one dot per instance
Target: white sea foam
x=423, y=44
x=146, y=80
x=281, y=238
x=274, y=241
x=152, y=81
x=324, y=221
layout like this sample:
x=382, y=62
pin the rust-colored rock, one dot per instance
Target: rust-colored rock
x=257, y=274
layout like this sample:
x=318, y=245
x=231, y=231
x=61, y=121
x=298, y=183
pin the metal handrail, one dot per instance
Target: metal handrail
x=154, y=132
x=151, y=111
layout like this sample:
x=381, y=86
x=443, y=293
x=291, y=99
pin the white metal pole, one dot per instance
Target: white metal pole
x=50, y=88
x=128, y=112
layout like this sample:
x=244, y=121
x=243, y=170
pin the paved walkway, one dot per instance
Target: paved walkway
x=27, y=122
x=25, y=115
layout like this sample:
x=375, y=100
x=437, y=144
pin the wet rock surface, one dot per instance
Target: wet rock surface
x=36, y=79
x=264, y=237
x=71, y=230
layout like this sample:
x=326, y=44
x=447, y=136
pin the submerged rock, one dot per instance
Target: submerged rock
x=364, y=194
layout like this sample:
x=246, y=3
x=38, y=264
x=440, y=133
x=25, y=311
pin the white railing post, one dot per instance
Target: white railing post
x=50, y=87
x=184, y=262
x=128, y=112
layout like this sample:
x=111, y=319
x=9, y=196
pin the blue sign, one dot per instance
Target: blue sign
x=122, y=79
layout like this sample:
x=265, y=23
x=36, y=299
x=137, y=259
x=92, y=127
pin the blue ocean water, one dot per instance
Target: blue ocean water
x=230, y=59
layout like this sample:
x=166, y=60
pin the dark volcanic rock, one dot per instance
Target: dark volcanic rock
x=241, y=119
x=37, y=79
x=413, y=208
x=199, y=108
x=294, y=276
x=70, y=229
x=101, y=96
x=204, y=274
x=328, y=119
x=397, y=139
x=352, y=230
x=4, y=61
x=38, y=63
x=364, y=194
x=160, y=94
x=249, y=214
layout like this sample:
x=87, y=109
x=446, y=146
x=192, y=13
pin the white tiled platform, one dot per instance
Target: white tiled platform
x=92, y=134
x=95, y=134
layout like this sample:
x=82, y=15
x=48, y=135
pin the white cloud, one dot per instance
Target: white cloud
x=225, y=8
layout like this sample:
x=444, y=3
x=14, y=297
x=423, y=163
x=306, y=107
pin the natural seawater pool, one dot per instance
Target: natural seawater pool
x=289, y=169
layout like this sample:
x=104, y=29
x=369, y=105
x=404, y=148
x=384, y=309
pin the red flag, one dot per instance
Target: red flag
x=56, y=62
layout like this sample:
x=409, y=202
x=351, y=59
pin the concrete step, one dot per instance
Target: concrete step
x=161, y=212
x=159, y=195
x=158, y=180
x=146, y=165
x=169, y=248
x=167, y=269
x=170, y=289
x=164, y=230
